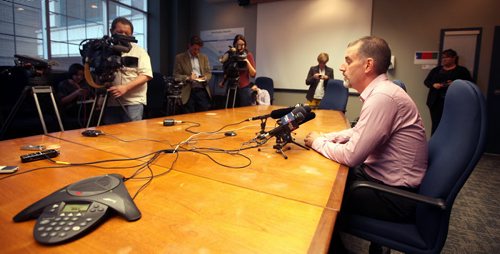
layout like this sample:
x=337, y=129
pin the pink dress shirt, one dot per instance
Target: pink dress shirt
x=389, y=137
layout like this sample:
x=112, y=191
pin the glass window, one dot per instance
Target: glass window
x=22, y=27
x=7, y=50
x=138, y=4
x=138, y=19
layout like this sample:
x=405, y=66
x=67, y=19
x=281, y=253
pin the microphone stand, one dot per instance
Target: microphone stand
x=263, y=126
x=283, y=139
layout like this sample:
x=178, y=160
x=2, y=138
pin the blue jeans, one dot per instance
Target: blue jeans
x=114, y=114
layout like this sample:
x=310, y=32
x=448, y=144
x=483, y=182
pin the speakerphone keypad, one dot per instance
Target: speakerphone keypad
x=54, y=225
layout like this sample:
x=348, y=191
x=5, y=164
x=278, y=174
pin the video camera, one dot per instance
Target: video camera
x=173, y=86
x=36, y=69
x=102, y=57
x=233, y=62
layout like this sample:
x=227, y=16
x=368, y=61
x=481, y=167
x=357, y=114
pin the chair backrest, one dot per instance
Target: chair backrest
x=335, y=97
x=267, y=84
x=454, y=150
x=400, y=83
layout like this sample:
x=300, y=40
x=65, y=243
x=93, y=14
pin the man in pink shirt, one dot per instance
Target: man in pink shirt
x=388, y=145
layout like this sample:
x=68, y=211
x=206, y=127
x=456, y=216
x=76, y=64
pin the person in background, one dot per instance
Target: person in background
x=388, y=145
x=71, y=91
x=438, y=80
x=128, y=93
x=244, y=89
x=260, y=96
x=317, y=78
x=193, y=68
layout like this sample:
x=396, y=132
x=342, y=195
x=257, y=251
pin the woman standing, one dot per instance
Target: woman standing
x=438, y=81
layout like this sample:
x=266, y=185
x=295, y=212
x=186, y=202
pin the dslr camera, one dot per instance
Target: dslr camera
x=102, y=57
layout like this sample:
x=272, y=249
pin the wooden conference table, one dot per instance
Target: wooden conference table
x=205, y=202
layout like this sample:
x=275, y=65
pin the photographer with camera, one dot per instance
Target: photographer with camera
x=193, y=68
x=317, y=78
x=129, y=87
x=239, y=67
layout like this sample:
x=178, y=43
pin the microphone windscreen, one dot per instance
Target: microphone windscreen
x=278, y=113
x=307, y=108
x=309, y=117
x=299, y=110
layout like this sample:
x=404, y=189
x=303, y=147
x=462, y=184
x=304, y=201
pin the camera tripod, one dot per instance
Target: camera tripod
x=101, y=100
x=35, y=90
x=233, y=84
x=173, y=102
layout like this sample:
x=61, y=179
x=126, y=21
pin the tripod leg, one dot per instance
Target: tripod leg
x=104, y=102
x=227, y=96
x=56, y=110
x=92, y=110
x=234, y=96
x=42, y=120
x=14, y=110
x=124, y=109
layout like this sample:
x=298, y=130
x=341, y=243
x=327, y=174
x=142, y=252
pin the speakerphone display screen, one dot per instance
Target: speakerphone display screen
x=75, y=208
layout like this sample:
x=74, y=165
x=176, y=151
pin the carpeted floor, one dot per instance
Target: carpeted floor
x=475, y=223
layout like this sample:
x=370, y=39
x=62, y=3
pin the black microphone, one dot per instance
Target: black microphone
x=287, y=127
x=308, y=118
x=259, y=117
x=279, y=113
x=291, y=116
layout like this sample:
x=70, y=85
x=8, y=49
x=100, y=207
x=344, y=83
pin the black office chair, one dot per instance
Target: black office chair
x=454, y=150
x=267, y=84
x=335, y=97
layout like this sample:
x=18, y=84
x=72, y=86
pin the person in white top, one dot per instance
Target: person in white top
x=317, y=79
x=262, y=96
x=130, y=85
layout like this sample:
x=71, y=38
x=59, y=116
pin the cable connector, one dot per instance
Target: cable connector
x=170, y=122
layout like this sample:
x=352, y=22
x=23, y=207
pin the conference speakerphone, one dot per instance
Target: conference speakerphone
x=78, y=208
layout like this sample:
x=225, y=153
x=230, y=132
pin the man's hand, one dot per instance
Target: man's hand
x=118, y=91
x=309, y=140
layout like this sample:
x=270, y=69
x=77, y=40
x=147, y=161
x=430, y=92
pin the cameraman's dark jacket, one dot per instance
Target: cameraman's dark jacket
x=183, y=68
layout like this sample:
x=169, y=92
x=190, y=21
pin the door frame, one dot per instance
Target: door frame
x=464, y=31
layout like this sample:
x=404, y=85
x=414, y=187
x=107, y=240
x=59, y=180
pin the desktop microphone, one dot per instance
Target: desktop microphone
x=291, y=116
x=288, y=127
x=310, y=116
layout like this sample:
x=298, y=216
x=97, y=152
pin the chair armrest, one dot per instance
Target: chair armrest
x=399, y=192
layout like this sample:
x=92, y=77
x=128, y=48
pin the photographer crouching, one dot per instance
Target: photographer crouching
x=129, y=87
x=239, y=67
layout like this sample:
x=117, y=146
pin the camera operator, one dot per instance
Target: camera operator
x=248, y=71
x=130, y=85
x=193, y=68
